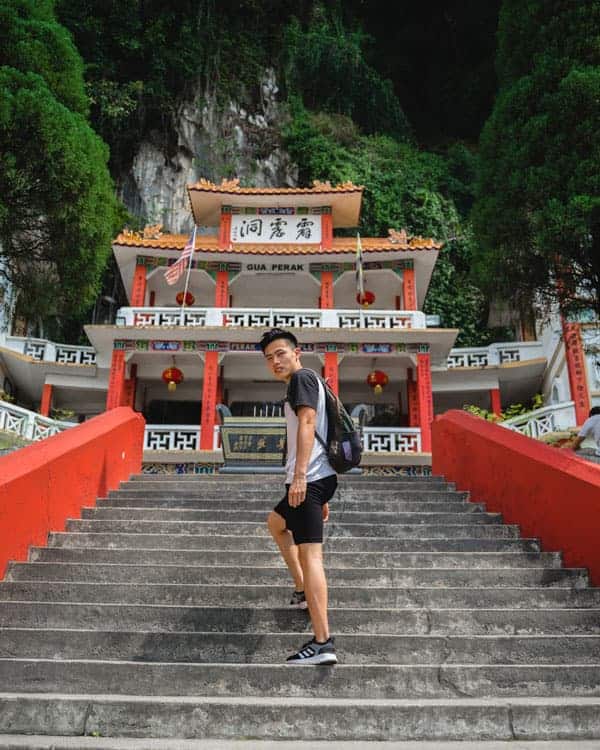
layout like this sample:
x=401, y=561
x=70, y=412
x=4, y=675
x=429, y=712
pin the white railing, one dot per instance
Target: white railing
x=543, y=421
x=175, y=437
x=47, y=351
x=392, y=439
x=28, y=424
x=268, y=317
x=495, y=354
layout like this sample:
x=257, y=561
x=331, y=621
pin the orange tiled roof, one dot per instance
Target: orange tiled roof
x=233, y=187
x=209, y=244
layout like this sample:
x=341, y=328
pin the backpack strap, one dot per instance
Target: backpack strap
x=322, y=386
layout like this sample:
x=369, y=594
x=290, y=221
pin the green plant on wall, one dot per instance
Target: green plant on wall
x=513, y=410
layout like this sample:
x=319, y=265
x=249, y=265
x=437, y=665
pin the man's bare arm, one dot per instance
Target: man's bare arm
x=307, y=418
x=576, y=443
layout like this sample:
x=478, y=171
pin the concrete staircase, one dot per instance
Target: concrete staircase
x=162, y=614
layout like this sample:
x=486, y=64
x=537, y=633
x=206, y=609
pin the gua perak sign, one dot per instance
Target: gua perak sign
x=276, y=226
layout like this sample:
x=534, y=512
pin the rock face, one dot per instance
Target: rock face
x=213, y=141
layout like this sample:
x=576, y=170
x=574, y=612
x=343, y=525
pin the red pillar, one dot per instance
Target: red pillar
x=413, y=399
x=330, y=371
x=129, y=388
x=222, y=289
x=495, y=401
x=425, y=400
x=409, y=290
x=46, y=403
x=219, y=396
x=137, y=298
x=327, y=231
x=225, y=232
x=575, y=357
x=209, y=400
x=116, y=380
x=326, y=290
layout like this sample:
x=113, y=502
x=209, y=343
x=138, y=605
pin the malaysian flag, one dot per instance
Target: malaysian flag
x=360, y=281
x=174, y=271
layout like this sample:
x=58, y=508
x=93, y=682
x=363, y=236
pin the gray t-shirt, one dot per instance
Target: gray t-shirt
x=306, y=389
x=591, y=429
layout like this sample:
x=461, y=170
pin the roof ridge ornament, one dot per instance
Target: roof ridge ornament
x=321, y=184
x=231, y=184
x=152, y=231
x=399, y=237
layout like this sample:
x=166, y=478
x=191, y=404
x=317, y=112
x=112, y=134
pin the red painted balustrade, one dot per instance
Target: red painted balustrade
x=46, y=483
x=552, y=494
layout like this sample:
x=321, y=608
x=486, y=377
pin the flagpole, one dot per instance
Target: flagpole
x=187, y=276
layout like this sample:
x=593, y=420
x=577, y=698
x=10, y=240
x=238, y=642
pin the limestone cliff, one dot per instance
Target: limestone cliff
x=212, y=141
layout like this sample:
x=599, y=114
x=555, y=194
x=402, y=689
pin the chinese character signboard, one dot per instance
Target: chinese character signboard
x=253, y=442
x=267, y=227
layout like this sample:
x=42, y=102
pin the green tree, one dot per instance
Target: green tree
x=57, y=206
x=404, y=187
x=537, y=213
x=325, y=62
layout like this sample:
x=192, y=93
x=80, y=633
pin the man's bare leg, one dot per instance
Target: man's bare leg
x=289, y=551
x=315, y=588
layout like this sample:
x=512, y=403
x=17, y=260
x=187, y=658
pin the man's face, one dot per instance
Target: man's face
x=282, y=359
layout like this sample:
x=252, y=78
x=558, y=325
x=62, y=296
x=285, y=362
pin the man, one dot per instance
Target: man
x=590, y=429
x=296, y=523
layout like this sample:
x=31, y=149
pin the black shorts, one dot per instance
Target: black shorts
x=306, y=521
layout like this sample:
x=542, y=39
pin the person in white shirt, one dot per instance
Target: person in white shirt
x=296, y=522
x=590, y=429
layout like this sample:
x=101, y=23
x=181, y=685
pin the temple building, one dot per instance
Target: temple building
x=266, y=257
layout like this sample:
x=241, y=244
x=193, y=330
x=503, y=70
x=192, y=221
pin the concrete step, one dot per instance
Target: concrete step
x=364, y=577
x=248, y=528
x=272, y=648
x=37, y=742
x=243, y=480
x=364, y=487
x=271, y=497
x=312, y=718
x=333, y=559
x=120, y=500
x=278, y=596
x=72, y=676
x=412, y=620
x=235, y=516
x=228, y=541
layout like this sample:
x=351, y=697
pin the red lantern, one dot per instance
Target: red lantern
x=377, y=380
x=172, y=377
x=189, y=299
x=365, y=299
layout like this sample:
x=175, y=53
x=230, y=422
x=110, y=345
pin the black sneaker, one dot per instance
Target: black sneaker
x=298, y=600
x=314, y=653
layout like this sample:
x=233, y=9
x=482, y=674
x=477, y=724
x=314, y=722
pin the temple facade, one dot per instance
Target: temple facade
x=267, y=257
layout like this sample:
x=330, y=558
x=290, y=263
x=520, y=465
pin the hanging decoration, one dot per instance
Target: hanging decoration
x=365, y=299
x=189, y=299
x=377, y=379
x=172, y=377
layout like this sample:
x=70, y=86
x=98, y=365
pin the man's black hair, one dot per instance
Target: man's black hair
x=277, y=333
x=595, y=411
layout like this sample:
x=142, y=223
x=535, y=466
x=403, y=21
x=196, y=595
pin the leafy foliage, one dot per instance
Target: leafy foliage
x=34, y=42
x=57, y=206
x=404, y=187
x=513, y=410
x=325, y=63
x=537, y=215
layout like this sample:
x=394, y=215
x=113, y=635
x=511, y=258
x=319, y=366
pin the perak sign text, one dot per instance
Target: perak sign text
x=276, y=226
x=274, y=266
